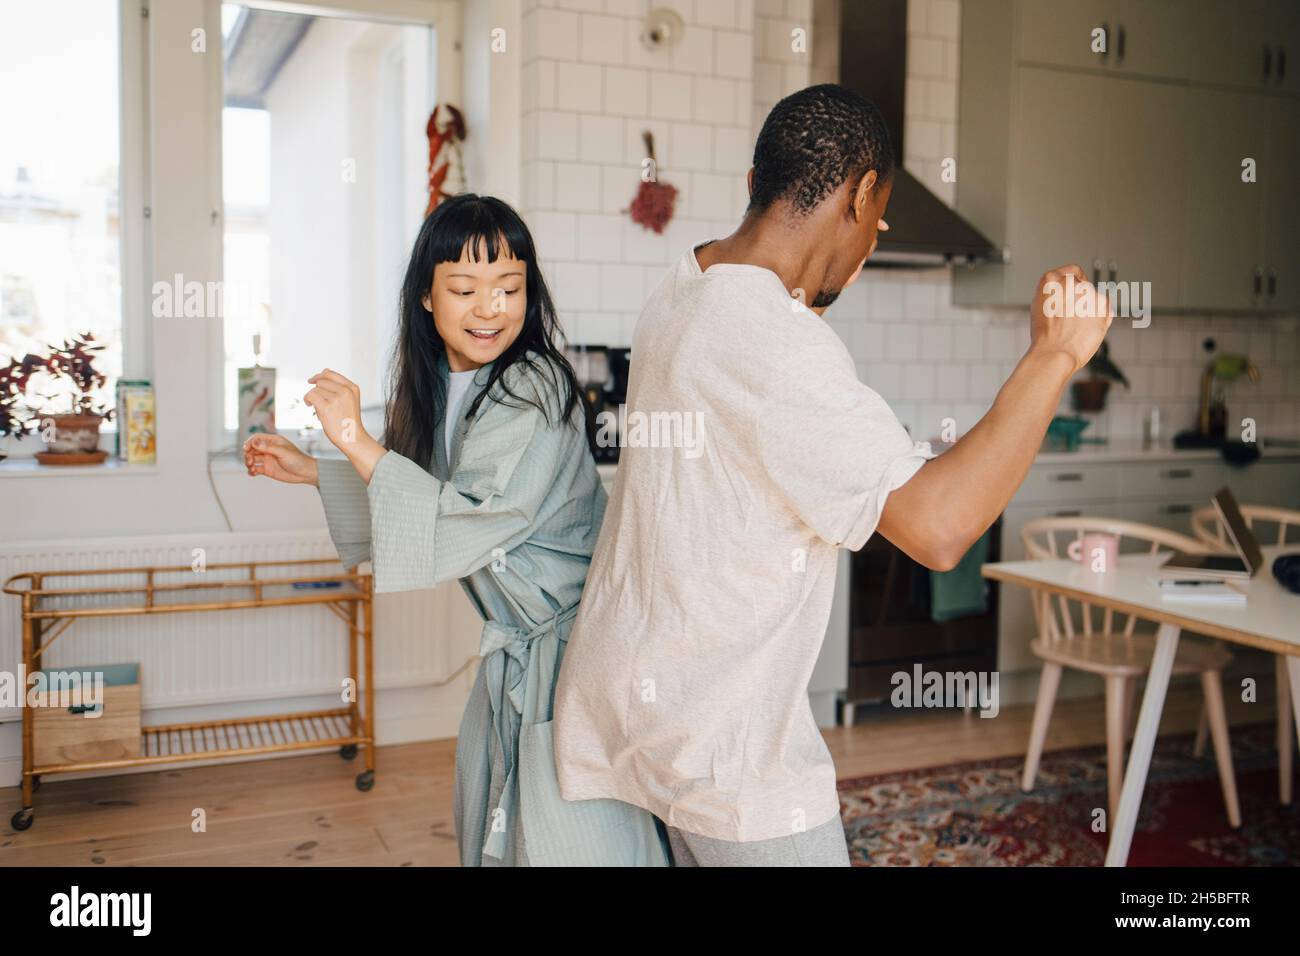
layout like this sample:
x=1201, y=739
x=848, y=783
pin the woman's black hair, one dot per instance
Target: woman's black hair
x=417, y=394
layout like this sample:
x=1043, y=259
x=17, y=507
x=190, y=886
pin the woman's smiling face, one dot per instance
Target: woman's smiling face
x=478, y=306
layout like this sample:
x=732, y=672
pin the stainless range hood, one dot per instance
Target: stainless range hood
x=923, y=229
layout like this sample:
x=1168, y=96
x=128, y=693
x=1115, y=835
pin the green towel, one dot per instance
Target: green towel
x=961, y=591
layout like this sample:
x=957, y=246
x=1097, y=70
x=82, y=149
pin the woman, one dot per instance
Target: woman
x=485, y=475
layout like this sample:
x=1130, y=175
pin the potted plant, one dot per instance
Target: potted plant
x=72, y=437
x=1090, y=393
x=17, y=417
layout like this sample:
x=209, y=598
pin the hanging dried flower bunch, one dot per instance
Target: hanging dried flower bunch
x=653, y=204
x=444, y=144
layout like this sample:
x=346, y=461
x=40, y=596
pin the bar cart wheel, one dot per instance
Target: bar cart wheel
x=348, y=751
x=23, y=819
x=366, y=780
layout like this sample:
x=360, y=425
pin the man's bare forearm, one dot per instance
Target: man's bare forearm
x=938, y=514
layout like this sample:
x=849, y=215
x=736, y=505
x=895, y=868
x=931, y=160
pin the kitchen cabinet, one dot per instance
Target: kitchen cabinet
x=1140, y=152
x=1280, y=178
x=1252, y=228
x=1141, y=36
x=1050, y=223
x=1284, y=29
x=1135, y=174
x=1224, y=216
x=1249, y=44
x=1116, y=216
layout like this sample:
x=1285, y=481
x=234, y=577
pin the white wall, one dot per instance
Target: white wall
x=589, y=90
x=493, y=51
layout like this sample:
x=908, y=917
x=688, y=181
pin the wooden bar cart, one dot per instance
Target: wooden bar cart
x=47, y=613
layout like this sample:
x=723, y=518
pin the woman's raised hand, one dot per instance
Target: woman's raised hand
x=277, y=457
x=337, y=403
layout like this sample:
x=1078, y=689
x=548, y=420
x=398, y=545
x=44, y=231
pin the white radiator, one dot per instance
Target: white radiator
x=212, y=657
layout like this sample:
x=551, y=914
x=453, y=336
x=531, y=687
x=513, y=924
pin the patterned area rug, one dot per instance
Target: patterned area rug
x=974, y=814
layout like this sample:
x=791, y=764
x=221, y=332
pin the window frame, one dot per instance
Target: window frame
x=444, y=17
x=134, y=250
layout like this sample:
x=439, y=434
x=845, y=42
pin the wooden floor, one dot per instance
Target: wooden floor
x=305, y=811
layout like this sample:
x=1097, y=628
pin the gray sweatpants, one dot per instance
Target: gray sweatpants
x=823, y=845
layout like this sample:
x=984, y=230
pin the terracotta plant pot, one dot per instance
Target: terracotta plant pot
x=73, y=434
x=1090, y=394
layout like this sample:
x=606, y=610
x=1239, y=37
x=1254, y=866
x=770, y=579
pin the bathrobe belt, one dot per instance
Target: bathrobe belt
x=506, y=651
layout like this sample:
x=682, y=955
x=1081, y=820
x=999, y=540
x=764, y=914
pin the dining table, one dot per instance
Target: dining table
x=1268, y=620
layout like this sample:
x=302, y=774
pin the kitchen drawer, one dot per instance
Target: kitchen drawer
x=1172, y=513
x=1069, y=483
x=1275, y=483
x=1170, y=480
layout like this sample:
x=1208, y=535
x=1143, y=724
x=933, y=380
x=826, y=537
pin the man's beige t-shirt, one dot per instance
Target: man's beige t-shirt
x=751, y=454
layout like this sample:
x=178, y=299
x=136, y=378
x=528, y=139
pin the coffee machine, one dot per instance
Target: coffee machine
x=603, y=373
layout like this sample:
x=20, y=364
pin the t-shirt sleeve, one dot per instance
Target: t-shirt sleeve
x=831, y=446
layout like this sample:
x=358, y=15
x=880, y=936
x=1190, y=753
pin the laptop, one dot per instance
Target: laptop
x=1245, y=564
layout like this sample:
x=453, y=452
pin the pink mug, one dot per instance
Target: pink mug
x=1096, y=549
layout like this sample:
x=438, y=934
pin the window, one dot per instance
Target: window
x=60, y=223
x=324, y=163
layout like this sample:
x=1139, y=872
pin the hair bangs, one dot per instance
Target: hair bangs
x=479, y=230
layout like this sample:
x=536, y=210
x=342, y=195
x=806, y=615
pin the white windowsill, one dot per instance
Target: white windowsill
x=28, y=467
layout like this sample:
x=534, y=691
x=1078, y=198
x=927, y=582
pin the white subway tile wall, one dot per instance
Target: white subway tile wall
x=592, y=88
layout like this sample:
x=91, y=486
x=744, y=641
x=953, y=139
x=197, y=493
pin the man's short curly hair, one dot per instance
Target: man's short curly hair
x=814, y=141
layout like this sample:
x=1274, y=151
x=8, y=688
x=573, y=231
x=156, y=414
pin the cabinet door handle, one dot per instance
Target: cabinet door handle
x=1268, y=61
x=1176, y=473
x=1096, y=271
x=1175, y=509
x=1272, y=282
x=1259, y=281
x=1110, y=269
x=1066, y=476
x=1119, y=50
x=1105, y=36
x=1072, y=513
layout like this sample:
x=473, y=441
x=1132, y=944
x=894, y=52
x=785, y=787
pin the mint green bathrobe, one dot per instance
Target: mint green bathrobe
x=514, y=516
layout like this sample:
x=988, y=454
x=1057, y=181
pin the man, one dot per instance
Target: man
x=684, y=686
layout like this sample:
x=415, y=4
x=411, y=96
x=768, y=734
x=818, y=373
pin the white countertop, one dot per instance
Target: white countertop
x=1131, y=449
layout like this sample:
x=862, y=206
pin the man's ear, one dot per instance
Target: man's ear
x=749, y=180
x=862, y=195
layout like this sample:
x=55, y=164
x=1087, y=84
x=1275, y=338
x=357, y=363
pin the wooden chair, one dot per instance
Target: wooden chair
x=1207, y=528
x=1073, y=633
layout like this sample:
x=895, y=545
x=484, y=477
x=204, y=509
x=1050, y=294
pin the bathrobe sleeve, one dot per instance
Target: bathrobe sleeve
x=831, y=446
x=347, y=509
x=424, y=531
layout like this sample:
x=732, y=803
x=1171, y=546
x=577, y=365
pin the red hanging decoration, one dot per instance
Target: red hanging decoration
x=444, y=142
x=652, y=207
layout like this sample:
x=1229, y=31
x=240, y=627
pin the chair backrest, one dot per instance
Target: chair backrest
x=1208, y=528
x=1047, y=539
